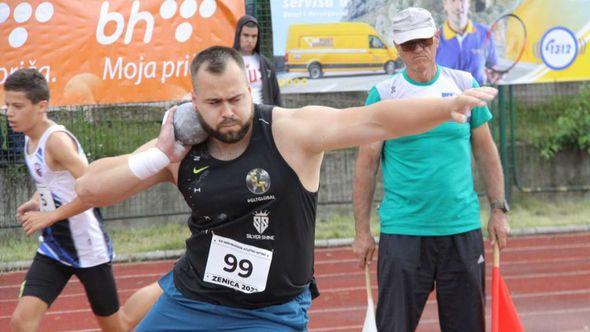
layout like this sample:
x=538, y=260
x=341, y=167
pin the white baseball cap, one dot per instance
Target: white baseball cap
x=412, y=23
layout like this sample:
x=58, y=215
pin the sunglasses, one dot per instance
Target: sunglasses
x=410, y=46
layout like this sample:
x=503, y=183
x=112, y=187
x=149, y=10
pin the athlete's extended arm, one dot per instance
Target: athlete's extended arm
x=322, y=128
x=111, y=180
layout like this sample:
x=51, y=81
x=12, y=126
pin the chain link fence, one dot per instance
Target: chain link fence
x=548, y=137
x=103, y=131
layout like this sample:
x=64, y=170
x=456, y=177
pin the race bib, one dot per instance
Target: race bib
x=46, y=202
x=236, y=265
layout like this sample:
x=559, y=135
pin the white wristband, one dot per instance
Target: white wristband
x=147, y=163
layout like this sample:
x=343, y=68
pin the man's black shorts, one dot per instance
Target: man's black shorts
x=411, y=267
x=46, y=279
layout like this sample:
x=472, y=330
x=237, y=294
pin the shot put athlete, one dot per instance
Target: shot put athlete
x=252, y=188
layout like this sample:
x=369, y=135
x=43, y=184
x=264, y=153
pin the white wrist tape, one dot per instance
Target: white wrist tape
x=147, y=163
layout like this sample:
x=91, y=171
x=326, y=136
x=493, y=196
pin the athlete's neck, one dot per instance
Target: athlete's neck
x=37, y=131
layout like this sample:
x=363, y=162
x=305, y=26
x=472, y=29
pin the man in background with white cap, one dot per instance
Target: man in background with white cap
x=430, y=215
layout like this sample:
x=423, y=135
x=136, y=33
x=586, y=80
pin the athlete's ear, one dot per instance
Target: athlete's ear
x=194, y=101
x=43, y=105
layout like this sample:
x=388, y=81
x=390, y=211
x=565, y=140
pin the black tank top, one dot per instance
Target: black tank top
x=256, y=200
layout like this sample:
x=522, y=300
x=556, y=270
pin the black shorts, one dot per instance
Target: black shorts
x=46, y=279
x=411, y=267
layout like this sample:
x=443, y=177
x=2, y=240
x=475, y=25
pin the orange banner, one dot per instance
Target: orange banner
x=104, y=52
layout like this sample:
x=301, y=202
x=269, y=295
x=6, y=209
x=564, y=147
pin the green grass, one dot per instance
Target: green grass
x=337, y=226
x=530, y=212
x=126, y=240
x=167, y=236
x=16, y=246
x=527, y=212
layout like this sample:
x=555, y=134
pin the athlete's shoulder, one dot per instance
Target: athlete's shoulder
x=61, y=145
x=60, y=140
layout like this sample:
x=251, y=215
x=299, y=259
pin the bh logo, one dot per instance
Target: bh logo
x=168, y=9
x=21, y=14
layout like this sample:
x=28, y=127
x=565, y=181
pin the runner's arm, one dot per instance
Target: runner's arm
x=61, y=153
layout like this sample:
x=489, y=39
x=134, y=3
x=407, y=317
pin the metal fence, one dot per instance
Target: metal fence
x=102, y=131
x=543, y=134
x=113, y=130
x=261, y=10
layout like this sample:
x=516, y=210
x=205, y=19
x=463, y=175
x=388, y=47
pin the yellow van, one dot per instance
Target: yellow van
x=337, y=47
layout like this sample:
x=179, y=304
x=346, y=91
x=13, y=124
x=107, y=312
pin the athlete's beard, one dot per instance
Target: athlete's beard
x=228, y=137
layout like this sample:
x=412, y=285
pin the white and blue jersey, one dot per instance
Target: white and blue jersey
x=79, y=241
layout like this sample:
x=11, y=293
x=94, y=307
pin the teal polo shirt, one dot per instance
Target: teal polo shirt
x=427, y=178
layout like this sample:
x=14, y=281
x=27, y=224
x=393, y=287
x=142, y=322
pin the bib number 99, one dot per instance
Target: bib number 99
x=232, y=264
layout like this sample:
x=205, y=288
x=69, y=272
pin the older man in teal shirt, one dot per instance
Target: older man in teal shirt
x=430, y=223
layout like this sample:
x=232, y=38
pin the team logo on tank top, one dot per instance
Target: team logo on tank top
x=261, y=220
x=258, y=181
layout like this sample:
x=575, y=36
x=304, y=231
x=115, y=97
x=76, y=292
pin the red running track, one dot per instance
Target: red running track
x=548, y=276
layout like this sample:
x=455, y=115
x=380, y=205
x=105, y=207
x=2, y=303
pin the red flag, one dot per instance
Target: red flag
x=504, y=315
